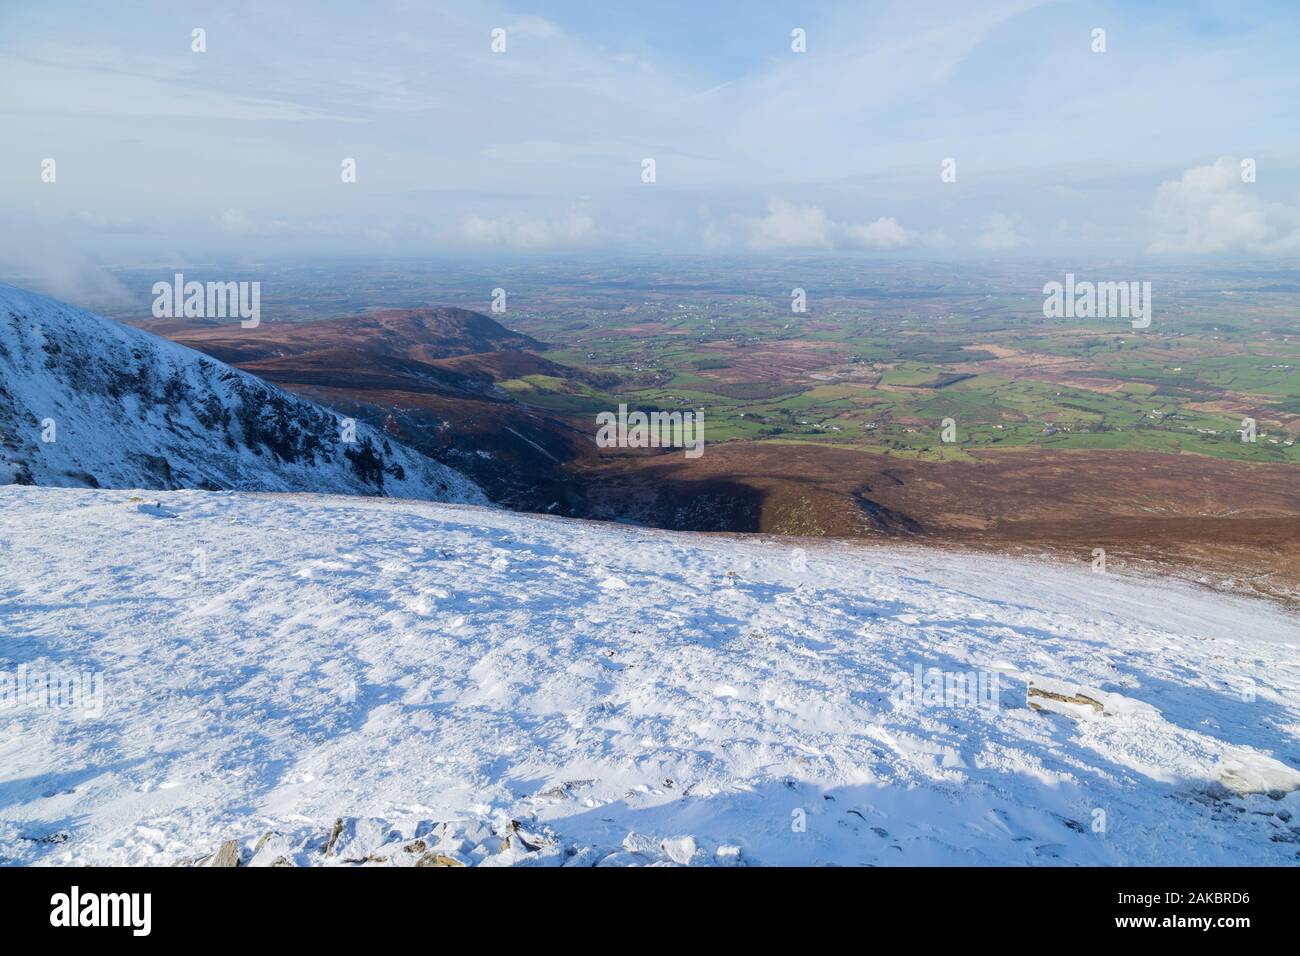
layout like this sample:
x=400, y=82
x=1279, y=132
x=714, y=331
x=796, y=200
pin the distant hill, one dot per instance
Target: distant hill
x=431, y=376
x=85, y=401
x=418, y=334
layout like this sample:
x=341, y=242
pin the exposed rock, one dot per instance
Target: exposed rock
x=359, y=837
x=179, y=419
x=532, y=842
x=227, y=856
x=1078, y=699
x=565, y=790
x=333, y=837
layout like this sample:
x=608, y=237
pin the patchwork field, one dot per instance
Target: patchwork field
x=945, y=409
x=890, y=390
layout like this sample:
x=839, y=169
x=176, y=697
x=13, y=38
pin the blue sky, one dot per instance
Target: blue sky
x=167, y=155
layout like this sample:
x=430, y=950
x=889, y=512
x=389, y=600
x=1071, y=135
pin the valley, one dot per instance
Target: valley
x=1067, y=437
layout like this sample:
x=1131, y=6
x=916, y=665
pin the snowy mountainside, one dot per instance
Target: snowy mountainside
x=85, y=401
x=317, y=680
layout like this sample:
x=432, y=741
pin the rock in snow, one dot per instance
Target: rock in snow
x=226, y=856
x=85, y=401
x=454, y=685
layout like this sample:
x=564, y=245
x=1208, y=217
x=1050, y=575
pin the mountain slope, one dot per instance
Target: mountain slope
x=496, y=688
x=420, y=335
x=86, y=401
x=431, y=376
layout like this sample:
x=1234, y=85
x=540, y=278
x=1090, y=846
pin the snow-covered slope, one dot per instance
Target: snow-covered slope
x=86, y=401
x=402, y=682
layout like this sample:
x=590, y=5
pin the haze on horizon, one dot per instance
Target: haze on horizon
x=168, y=155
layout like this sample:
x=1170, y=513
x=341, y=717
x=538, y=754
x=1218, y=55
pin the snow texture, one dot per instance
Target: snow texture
x=85, y=401
x=317, y=680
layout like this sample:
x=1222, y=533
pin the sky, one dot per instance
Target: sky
x=163, y=154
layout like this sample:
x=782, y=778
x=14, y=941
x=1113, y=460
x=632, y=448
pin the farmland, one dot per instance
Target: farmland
x=924, y=400
x=881, y=373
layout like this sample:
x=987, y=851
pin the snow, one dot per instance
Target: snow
x=413, y=683
x=85, y=401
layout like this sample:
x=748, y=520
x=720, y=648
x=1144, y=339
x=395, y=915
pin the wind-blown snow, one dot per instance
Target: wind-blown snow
x=455, y=683
x=85, y=401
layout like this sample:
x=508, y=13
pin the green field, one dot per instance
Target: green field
x=885, y=379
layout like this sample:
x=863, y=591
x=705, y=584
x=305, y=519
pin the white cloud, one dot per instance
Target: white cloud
x=854, y=129
x=1209, y=209
x=1000, y=234
x=884, y=233
x=790, y=225
x=41, y=260
x=528, y=232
